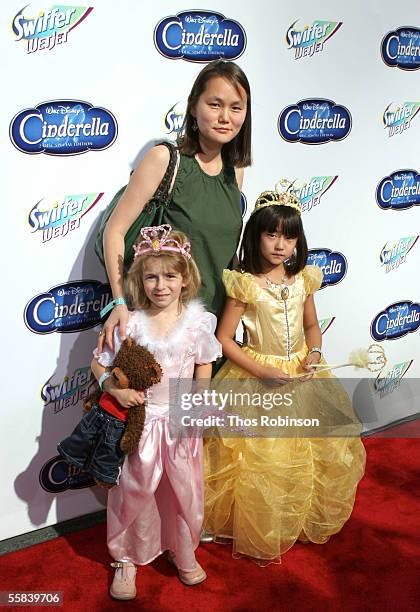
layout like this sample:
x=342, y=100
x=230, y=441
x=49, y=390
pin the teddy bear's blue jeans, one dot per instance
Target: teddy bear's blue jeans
x=94, y=445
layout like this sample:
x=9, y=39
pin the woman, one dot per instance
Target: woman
x=214, y=149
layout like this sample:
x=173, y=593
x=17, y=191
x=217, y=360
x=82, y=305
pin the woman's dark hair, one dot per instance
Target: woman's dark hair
x=284, y=219
x=237, y=152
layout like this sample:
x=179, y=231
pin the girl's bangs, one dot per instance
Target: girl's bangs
x=281, y=219
x=290, y=226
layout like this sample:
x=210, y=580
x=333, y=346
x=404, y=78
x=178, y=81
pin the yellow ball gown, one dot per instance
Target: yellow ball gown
x=263, y=493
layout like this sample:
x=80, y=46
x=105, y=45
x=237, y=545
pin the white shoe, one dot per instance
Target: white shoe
x=195, y=576
x=124, y=584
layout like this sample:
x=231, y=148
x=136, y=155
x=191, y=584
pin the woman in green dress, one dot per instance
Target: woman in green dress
x=214, y=149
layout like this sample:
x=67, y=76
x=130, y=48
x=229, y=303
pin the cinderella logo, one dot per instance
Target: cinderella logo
x=398, y=117
x=314, y=121
x=199, y=36
x=399, y=191
x=389, y=380
x=57, y=476
x=332, y=263
x=60, y=218
x=67, y=308
x=311, y=191
x=69, y=391
x=244, y=204
x=395, y=252
x=401, y=48
x=63, y=127
x=49, y=28
x=308, y=40
x=396, y=321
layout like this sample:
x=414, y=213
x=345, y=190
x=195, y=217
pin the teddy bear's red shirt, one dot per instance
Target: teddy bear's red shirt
x=110, y=404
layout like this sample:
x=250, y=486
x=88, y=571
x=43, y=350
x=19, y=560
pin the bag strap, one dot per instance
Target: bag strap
x=163, y=193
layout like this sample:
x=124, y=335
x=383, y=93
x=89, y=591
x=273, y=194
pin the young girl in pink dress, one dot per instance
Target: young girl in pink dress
x=158, y=503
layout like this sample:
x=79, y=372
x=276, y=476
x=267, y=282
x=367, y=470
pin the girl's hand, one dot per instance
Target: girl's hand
x=128, y=398
x=274, y=376
x=310, y=359
x=118, y=316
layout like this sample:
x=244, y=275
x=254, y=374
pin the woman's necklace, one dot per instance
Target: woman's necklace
x=278, y=288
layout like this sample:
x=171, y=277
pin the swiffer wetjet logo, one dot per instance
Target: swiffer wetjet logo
x=67, y=308
x=57, y=219
x=57, y=475
x=395, y=252
x=311, y=190
x=325, y=324
x=399, y=191
x=396, y=321
x=389, y=380
x=314, y=121
x=49, y=28
x=174, y=119
x=398, y=117
x=199, y=36
x=332, y=263
x=63, y=127
x=69, y=391
x=401, y=48
x=308, y=40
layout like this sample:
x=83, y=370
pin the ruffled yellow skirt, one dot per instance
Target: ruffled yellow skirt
x=263, y=493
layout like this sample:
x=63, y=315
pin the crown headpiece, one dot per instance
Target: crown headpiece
x=156, y=239
x=279, y=198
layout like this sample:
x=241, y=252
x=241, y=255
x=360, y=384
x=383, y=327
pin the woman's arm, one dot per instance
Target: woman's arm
x=143, y=183
x=313, y=334
x=234, y=309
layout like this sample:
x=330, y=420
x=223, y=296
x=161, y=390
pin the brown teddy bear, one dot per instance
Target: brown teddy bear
x=100, y=441
x=134, y=367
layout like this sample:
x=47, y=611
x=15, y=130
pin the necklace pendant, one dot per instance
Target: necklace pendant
x=284, y=293
x=280, y=290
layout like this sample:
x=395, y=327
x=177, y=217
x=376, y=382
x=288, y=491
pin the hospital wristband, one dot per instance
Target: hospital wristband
x=110, y=306
x=102, y=379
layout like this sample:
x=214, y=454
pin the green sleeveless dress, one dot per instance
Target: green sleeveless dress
x=208, y=210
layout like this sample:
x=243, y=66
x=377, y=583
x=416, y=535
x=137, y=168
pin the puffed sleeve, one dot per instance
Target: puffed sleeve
x=240, y=286
x=208, y=348
x=107, y=356
x=312, y=276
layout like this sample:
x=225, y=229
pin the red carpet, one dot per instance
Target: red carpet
x=373, y=564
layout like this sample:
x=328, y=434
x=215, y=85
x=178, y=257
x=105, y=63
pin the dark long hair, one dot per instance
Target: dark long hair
x=237, y=152
x=271, y=219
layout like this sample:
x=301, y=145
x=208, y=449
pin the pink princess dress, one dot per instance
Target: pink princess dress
x=158, y=504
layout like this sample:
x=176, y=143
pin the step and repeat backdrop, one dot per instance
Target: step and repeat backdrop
x=87, y=90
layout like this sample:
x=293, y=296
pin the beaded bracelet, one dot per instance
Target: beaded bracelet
x=316, y=349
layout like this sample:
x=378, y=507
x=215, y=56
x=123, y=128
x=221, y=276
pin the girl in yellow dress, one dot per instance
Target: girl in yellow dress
x=264, y=493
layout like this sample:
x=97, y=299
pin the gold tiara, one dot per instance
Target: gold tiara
x=279, y=198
